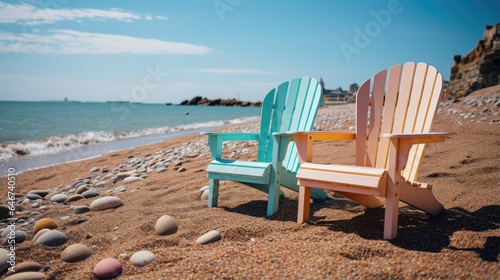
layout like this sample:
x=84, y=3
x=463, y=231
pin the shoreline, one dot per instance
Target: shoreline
x=33, y=162
x=343, y=239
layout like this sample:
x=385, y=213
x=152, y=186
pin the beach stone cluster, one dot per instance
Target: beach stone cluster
x=101, y=191
x=479, y=109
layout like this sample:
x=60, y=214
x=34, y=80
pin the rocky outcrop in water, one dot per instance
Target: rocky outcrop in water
x=203, y=101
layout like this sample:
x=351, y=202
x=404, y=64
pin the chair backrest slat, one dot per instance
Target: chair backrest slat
x=362, y=106
x=375, y=113
x=390, y=103
x=265, y=125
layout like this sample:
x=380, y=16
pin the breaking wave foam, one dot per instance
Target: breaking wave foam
x=56, y=144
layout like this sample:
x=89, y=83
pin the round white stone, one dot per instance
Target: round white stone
x=142, y=258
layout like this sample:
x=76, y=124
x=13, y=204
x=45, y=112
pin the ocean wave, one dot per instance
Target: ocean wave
x=56, y=144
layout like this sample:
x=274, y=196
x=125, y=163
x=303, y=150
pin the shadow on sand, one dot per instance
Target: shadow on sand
x=417, y=230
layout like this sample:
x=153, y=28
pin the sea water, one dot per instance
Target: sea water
x=36, y=134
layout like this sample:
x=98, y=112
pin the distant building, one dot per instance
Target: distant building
x=338, y=95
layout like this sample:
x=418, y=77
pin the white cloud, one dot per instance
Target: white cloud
x=33, y=15
x=76, y=42
x=229, y=71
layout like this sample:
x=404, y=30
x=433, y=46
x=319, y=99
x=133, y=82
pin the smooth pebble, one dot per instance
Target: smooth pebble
x=40, y=232
x=107, y=268
x=142, y=258
x=90, y=193
x=33, y=196
x=18, y=236
x=105, y=203
x=44, y=223
x=204, y=195
x=75, y=253
x=131, y=179
x=81, y=209
x=41, y=193
x=81, y=189
x=166, y=225
x=74, y=197
x=4, y=265
x=52, y=237
x=29, y=275
x=209, y=237
x=25, y=266
x=59, y=198
x=120, y=189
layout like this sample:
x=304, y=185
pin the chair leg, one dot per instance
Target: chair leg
x=391, y=216
x=273, y=199
x=213, y=194
x=304, y=204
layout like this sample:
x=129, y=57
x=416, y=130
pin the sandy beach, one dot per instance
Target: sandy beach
x=342, y=241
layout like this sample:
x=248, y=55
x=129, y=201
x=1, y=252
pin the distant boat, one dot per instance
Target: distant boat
x=186, y=113
x=168, y=104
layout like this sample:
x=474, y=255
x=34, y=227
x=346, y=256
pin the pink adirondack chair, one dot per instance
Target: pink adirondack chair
x=393, y=123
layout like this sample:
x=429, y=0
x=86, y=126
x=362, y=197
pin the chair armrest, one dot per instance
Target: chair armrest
x=233, y=136
x=304, y=140
x=403, y=142
x=419, y=138
x=324, y=135
x=215, y=140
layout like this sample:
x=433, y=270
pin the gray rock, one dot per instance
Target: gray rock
x=100, y=183
x=8, y=229
x=75, y=253
x=4, y=265
x=120, y=189
x=33, y=196
x=40, y=232
x=81, y=189
x=94, y=169
x=41, y=193
x=161, y=169
x=204, y=195
x=204, y=188
x=209, y=237
x=131, y=179
x=52, y=237
x=14, y=237
x=90, y=194
x=74, y=197
x=105, y=203
x=81, y=209
x=4, y=212
x=166, y=225
x=59, y=198
x=142, y=258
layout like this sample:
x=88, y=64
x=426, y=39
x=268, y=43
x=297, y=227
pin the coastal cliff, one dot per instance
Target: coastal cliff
x=478, y=69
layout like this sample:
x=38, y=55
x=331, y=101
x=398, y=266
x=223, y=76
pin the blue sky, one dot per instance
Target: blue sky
x=172, y=50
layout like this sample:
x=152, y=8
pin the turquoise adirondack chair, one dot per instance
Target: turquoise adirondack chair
x=292, y=106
